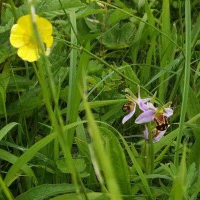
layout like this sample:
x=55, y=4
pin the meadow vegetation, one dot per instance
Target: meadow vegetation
x=99, y=100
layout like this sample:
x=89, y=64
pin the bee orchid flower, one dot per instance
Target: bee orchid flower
x=159, y=116
x=151, y=113
x=130, y=107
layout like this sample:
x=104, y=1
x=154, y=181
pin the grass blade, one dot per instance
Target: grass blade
x=186, y=77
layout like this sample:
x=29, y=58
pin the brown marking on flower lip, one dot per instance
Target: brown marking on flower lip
x=155, y=133
x=127, y=107
x=161, y=122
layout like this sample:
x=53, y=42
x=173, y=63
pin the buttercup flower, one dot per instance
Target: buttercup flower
x=130, y=107
x=22, y=37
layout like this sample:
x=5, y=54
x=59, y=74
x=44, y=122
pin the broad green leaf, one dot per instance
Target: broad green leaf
x=116, y=16
x=83, y=147
x=28, y=101
x=50, y=6
x=119, y=36
x=90, y=196
x=178, y=189
x=46, y=191
x=79, y=163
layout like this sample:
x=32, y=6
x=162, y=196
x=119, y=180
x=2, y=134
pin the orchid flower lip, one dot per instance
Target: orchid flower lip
x=158, y=134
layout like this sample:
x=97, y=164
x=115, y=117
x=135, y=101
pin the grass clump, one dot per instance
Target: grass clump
x=61, y=111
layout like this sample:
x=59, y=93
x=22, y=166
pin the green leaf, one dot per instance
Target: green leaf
x=90, y=196
x=46, y=191
x=119, y=36
x=27, y=156
x=100, y=158
x=194, y=153
x=78, y=162
x=50, y=6
x=28, y=101
x=6, y=129
x=116, y=16
x=117, y=157
x=4, y=80
x=11, y=158
x=178, y=189
x=193, y=108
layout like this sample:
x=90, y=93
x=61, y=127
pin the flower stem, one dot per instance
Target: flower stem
x=149, y=154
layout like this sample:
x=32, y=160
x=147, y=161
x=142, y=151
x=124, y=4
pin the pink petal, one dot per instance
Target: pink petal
x=168, y=112
x=146, y=133
x=160, y=135
x=142, y=105
x=127, y=117
x=151, y=106
x=146, y=116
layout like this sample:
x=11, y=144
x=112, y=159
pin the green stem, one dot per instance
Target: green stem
x=5, y=189
x=186, y=79
x=149, y=153
x=47, y=84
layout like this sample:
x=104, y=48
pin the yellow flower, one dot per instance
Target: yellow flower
x=22, y=37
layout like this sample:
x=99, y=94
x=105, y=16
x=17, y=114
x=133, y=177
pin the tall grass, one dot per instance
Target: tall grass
x=61, y=132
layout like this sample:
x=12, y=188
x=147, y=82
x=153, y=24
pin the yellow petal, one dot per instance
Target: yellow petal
x=17, y=36
x=25, y=23
x=44, y=26
x=28, y=53
x=45, y=29
x=48, y=41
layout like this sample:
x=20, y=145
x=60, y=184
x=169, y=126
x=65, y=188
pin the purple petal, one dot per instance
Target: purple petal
x=127, y=117
x=146, y=116
x=146, y=133
x=151, y=106
x=168, y=112
x=160, y=135
x=144, y=105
